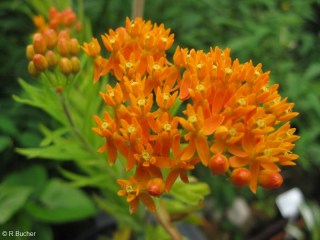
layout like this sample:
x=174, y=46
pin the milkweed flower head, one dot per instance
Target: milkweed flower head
x=54, y=45
x=234, y=122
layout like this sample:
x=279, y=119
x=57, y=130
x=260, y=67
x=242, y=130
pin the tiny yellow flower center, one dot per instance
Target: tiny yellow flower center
x=131, y=129
x=256, y=73
x=267, y=152
x=112, y=40
x=164, y=40
x=242, y=101
x=265, y=88
x=142, y=102
x=200, y=87
x=232, y=132
x=199, y=66
x=131, y=189
x=228, y=71
x=166, y=96
x=146, y=156
x=214, y=67
x=156, y=67
x=192, y=119
x=129, y=65
x=111, y=93
x=167, y=127
x=104, y=125
x=260, y=123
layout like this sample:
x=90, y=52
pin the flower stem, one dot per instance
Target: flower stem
x=163, y=218
x=137, y=8
x=72, y=125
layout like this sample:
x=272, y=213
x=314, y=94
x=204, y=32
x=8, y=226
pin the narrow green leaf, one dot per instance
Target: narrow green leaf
x=60, y=203
x=12, y=198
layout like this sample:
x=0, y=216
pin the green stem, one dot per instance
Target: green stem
x=163, y=218
x=66, y=111
x=137, y=9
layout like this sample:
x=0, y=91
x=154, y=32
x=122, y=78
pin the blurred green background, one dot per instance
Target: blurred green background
x=282, y=35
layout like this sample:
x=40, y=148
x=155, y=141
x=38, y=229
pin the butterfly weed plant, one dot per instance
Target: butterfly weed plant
x=135, y=123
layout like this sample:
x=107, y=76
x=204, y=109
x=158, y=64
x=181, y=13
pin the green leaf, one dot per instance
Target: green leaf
x=191, y=193
x=63, y=149
x=4, y=142
x=23, y=178
x=51, y=136
x=312, y=72
x=12, y=198
x=99, y=180
x=44, y=98
x=119, y=211
x=7, y=125
x=60, y=203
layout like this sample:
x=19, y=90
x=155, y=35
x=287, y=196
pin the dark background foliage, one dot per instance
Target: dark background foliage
x=282, y=35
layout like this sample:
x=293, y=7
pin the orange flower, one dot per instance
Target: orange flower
x=134, y=191
x=107, y=128
x=179, y=164
x=232, y=112
x=198, y=128
x=93, y=48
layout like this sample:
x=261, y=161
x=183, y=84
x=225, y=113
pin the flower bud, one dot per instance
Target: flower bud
x=51, y=38
x=63, y=46
x=218, y=164
x=40, y=62
x=69, y=19
x=75, y=64
x=52, y=58
x=64, y=34
x=270, y=179
x=39, y=43
x=59, y=89
x=32, y=69
x=65, y=66
x=78, y=26
x=240, y=177
x=30, y=52
x=155, y=187
x=74, y=46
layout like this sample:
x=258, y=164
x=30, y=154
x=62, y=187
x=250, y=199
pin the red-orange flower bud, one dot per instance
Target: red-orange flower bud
x=218, y=164
x=64, y=34
x=74, y=46
x=40, y=62
x=75, y=64
x=30, y=52
x=63, y=46
x=51, y=38
x=155, y=187
x=70, y=19
x=32, y=69
x=240, y=177
x=52, y=58
x=59, y=89
x=65, y=66
x=39, y=43
x=78, y=26
x=270, y=179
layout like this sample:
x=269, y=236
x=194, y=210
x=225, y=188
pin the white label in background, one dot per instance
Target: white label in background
x=289, y=202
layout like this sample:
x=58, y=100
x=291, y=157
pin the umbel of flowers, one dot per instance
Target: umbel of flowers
x=234, y=121
x=53, y=44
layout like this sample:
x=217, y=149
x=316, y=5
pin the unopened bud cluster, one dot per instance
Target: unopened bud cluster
x=53, y=45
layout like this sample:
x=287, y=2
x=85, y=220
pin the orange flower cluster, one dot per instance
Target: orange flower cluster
x=53, y=45
x=234, y=121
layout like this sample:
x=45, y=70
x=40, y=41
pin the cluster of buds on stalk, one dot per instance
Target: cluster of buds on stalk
x=234, y=121
x=53, y=45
